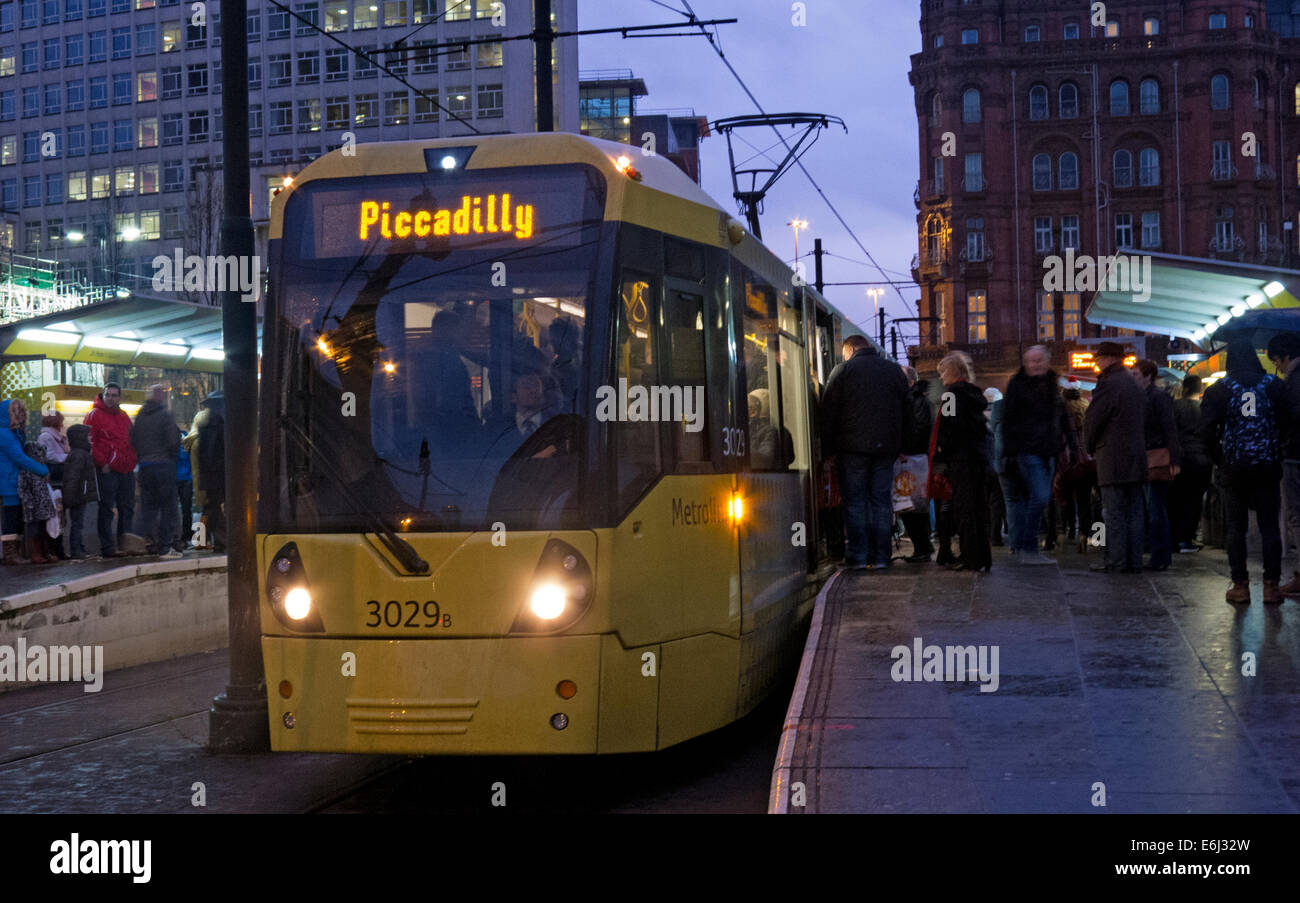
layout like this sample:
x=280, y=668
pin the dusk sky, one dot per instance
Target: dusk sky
x=851, y=60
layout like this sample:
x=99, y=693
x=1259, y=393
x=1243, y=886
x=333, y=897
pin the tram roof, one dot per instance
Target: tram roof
x=136, y=331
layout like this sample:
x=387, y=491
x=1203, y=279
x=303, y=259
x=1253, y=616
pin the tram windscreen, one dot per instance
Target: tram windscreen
x=431, y=334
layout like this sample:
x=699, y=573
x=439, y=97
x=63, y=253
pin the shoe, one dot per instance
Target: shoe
x=1292, y=587
x=1083, y=545
x=1272, y=593
x=918, y=558
x=171, y=555
x=1238, y=593
x=1192, y=548
x=1034, y=558
x=1103, y=568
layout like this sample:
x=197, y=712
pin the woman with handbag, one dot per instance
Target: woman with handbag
x=963, y=445
x=1164, y=457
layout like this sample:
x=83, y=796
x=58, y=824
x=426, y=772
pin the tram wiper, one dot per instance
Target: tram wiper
x=402, y=550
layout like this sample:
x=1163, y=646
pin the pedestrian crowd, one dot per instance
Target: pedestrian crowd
x=1126, y=470
x=47, y=482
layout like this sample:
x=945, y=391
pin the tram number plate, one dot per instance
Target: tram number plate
x=406, y=614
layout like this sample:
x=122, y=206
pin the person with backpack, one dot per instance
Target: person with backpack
x=1284, y=352
x=1239, y=425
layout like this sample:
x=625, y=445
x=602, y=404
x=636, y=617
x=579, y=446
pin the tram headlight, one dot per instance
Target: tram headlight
x=548, y=601
x=297, y=603
x=560, y=593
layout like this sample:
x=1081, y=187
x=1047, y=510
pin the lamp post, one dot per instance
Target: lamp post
x=796, y=225
x=875, y=294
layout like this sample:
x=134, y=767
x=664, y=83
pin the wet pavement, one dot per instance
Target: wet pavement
x=1146, y=693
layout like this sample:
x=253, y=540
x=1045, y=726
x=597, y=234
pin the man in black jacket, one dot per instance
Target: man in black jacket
x=868, y=417
x=1284, y=352
x=156, y=441
x=1114, y=434
x=917, y=523
x=1034, y=433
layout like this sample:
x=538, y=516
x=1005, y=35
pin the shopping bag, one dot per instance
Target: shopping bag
x=911, y=473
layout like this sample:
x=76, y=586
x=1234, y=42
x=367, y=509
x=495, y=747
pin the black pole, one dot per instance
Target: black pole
x=882, y=329
x=818, y=282
x=544, y=41
x=893, y=342
x=237, y=721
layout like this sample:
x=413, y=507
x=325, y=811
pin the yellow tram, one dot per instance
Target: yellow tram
x=538, y=453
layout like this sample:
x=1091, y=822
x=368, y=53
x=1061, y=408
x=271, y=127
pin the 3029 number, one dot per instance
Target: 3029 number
x=733, y=443
x=406, y=614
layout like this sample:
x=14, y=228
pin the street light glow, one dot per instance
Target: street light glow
x=75, y=235
x=130, y=233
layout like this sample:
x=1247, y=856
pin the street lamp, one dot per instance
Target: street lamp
x=875, y=294
x=796, y=225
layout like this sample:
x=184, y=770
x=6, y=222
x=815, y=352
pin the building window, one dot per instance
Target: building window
x=1151, y=230
x=1038, y=102
x=1069, y=101
x=1033, y=33
x=934, y=240
x=1112, y=29
x=281, y=117
x=99, y=137
x=51, y=51
x=173, y=175
x=1069, y=232
x=396, y=108
x=171, y=37
x=1071, y=31
x=977, y=317
x=937, y=171
x=1219, y=93
x=123, y=138
x=1123, y=169
x=1123, y=230
x=77, y=185
x=101, y=184
x=277, y=22
x=491, y=101
x=1217, y=21
x=147, y=132
x=336, y=64
x=367, y=110
x=309, y=114
x=1225, y=236
x=974, y=172
x=1042, y=172
x=1149, y=94
x=53, y=98
x=121, y=43
x=970, y=36
x=1150, y=168
x=1071, y=315
x=196, y=79
x=365, y=14
x=425, y=111
x=1151, y=27
x=146, y=36
x=124, y=181
x=1042, y=235
x=1046, y=317
x=198, y=126
x=395, y=12
x=173, y=130
x=1119, y=98
x=121, y=88
x=280, y=70
x=1221, y=168
x=937, y=42
x=337, y=112
x=310, y=12
x=308, y=66
x=970, y=105
x=458, y=101
x=1069, y=172
x=254, y=27
x=975, y=239
x=171, y=82
x=365, y=63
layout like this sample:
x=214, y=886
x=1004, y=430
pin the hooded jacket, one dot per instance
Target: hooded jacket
x=13, y=458
x=110, y=437
x=79, y=485
x=867, y=408
x=1114, y=428
x=155, y=435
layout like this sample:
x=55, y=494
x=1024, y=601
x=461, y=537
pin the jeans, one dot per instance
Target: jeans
x=1239, y=498
x=116, y=491
x=866, y=485
x=76, y=526
x=1028, y=498
x=185, y=489
x=158, y=498
x=1158, y=530
x=1124, y=509
x=216, y=524
x=1186, y=498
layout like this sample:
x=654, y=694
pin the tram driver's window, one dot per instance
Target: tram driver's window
x=684, y=325
x=635, y=443
x=761, y=347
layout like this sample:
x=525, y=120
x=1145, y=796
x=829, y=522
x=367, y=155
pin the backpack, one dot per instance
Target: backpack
x=1249, y=441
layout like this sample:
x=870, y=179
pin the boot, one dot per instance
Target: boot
x=39, y=545
x=1272, y=593
x=1292, y=587
x=1238, y=593
x=9, y=551
x=1083, y=544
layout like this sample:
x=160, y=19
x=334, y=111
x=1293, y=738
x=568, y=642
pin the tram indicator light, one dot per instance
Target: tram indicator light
x=736, y=508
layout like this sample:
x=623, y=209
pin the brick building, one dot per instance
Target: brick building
x=1061, y=134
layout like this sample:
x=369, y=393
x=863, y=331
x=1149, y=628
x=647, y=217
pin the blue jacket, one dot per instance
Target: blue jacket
x=183, y=470
x=12, y=459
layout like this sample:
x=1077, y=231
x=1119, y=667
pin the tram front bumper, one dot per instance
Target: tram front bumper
x=435, y=696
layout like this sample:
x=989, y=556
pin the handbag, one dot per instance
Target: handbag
x=938, y=488
x=1159, y=469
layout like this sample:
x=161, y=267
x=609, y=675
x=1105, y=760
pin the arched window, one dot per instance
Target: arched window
x=1218, y=20
x=1119, y=98
x=1260, y=91
x=1069, y=174
x=1150, y=96
x=1069, y=101
x=1219, y=95
x=934, y=238
x=1150, y=167
x=1042, y=172
x=1038, y=102
x=1123, y=169
x=970, y=105
x=936, y=106
x=1033, y=33
x=1151, y=27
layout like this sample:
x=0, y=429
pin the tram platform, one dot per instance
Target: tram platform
x=1137, y=694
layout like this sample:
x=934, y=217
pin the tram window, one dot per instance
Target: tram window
x=636, y=443
x=683, y=260
x=684, y=324
x=770, y=447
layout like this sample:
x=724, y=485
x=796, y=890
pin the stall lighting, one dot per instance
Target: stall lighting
x=109, y=343
x=1255, y=299
x=1210, y=327
x=1223, y=319
x=47, y=335
x=209, y=354
x=1198, y=335
x=1273, y=289
x=169, y=350
x=1238, y=310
